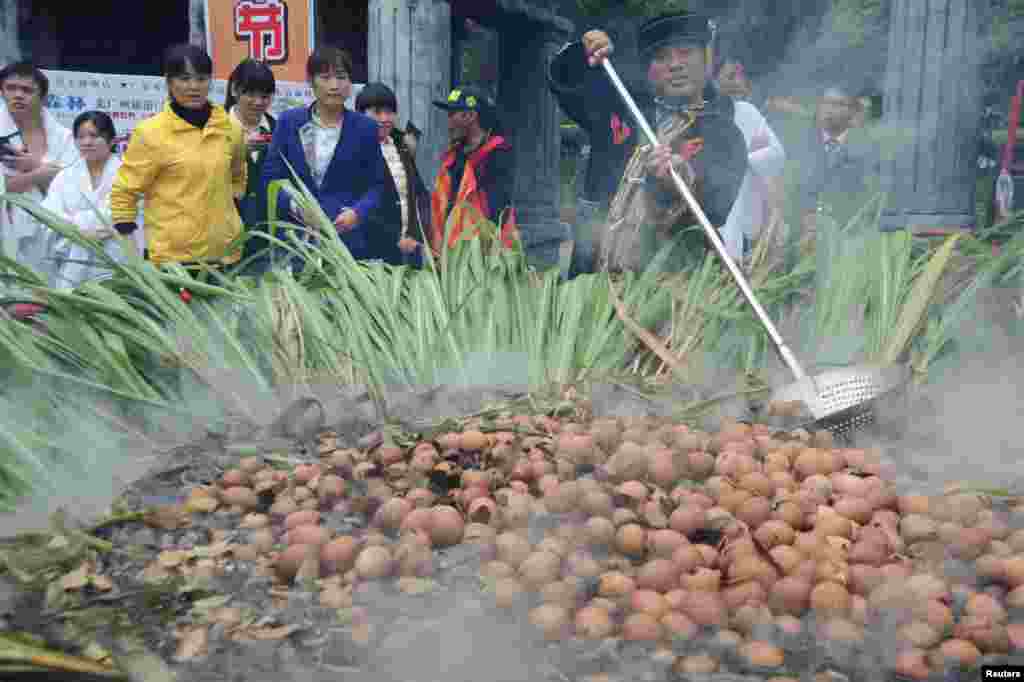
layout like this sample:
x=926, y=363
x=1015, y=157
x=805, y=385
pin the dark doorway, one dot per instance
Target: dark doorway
x=102, y=36
x=346, y=25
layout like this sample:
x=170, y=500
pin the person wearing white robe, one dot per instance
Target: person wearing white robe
x=81, y=195
x=24, y=116
x=767, y=160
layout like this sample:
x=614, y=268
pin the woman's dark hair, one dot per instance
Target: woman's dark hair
x=250, y=76
x=376, y=96
x=177, y=59
x=26, y=69
x=328, y=58
x=104, y=124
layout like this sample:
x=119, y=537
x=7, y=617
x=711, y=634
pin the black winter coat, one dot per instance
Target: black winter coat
x=587, y=96
x=386, y=221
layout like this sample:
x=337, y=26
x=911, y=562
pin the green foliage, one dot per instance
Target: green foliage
x=857, y=19
x=121, y=355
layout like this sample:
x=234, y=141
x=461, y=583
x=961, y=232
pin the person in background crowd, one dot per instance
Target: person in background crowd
x=732, y=80
x=334, y=152
x=35, y=147
x=250, y=92
x=627, y=178
x=837, y=167
x=399, y=225
x=188, y=164
x=411, y=138
x=80, y=194
x=478, y=169
x=760, y=199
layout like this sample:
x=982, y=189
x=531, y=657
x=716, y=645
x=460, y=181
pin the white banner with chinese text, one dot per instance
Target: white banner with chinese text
x=130, y=99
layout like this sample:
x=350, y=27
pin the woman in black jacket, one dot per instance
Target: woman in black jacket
x=400, y=225
x=250, y=91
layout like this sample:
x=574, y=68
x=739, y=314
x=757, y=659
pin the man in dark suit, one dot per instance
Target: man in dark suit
x=688, y=113
x=838, y=164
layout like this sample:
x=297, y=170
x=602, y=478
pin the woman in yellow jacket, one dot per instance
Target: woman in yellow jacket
x=188, y=165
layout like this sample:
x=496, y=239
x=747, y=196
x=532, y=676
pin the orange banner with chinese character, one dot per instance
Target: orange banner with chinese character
x=278, y=32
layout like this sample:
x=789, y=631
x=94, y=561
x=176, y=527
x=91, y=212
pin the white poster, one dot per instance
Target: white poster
x=130, y=99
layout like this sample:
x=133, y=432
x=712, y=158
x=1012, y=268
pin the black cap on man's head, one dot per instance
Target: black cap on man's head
x=682, y=30
x=470, y=98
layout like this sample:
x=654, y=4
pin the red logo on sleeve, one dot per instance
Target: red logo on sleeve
x=620, y=131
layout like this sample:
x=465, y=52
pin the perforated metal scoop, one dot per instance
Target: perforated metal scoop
x=840, y=400
x=843, y=400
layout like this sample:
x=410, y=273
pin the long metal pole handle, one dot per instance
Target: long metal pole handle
x=787, y=355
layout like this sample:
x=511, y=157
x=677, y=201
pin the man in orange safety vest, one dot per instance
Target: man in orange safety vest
x=478, y=169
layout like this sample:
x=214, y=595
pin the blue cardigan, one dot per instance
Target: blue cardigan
x=357, y=176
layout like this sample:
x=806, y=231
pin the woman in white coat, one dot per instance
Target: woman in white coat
x=756, y=207
x=81, y=194
x=36, y=148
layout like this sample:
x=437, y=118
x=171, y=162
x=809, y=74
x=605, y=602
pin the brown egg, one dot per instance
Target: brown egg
x=615, y=585
x=830, y=598
x=539, y=569
x=650, y=602
x=664, y=542
x=593, y=622
x=374, y=563
x=678, y=625
x=308, y=535
x=791, y=595
x=661, y=575
x=631, y=540
x=513, y=548
x=301, y=518
x=912, y=664
x=762, y=654
x=446, y=525
x=641, y=627
x=287, y=563
x=240, y=496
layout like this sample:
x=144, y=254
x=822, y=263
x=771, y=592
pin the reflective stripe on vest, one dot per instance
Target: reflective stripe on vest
x=469, y=193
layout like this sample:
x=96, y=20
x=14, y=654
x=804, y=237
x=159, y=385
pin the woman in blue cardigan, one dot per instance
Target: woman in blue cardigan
x=335, y=153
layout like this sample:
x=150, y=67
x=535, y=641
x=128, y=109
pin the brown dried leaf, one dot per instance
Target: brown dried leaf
x=273, y=633
x=214, y=551
x=167, y=517
x=416, y=586
x=362, y=634
x=154, y=572
x=201, y=505
x=193, y=643
x=77, y=579
x=172, y=558
x=650, y=340
x=229, y=616
x=102, y=583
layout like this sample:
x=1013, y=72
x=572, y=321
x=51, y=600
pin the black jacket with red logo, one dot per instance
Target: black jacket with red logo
x=587, y=96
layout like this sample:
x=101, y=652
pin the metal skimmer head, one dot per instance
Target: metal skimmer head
x=842, y=400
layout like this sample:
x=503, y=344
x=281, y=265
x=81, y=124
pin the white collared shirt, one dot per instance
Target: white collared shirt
x=397, y=168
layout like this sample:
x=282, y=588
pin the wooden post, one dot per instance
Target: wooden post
x=409, y=46
x=932, y=111
x=10, y=50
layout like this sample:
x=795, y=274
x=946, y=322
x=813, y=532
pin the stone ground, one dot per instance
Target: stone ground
x=452, y=634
